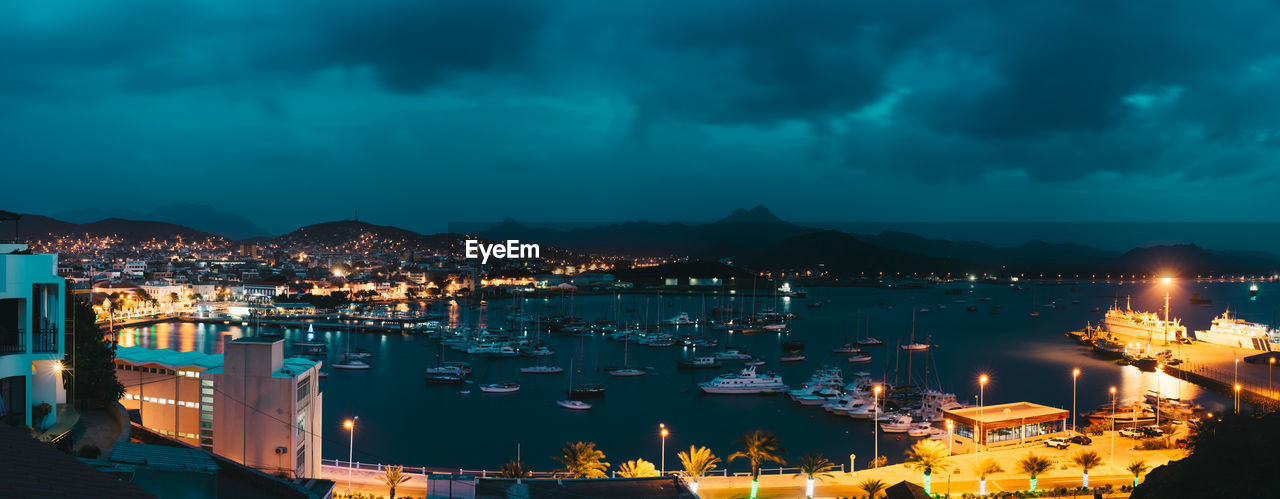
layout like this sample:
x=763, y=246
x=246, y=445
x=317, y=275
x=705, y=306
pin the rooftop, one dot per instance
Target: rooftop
x=1006, y=412
x=210, y=363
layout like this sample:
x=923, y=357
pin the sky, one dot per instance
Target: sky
x=420, y=113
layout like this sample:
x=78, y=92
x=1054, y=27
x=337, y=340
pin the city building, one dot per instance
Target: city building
x=1004, y=425
x=31, y=336
x=198, y=398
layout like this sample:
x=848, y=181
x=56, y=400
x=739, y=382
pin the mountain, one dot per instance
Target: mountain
x=845, y=253
x=201, y=217
x=759, y=214
x=39, y=227
x=344, y=231
x=1189, y=259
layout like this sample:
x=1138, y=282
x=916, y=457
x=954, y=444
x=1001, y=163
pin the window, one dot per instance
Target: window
x=204, y=416
x=964, y=430
x=205, y=425
x=206, y=382
x=304, y=388
x=302, y=424
x=206, y=391
x=302, y=458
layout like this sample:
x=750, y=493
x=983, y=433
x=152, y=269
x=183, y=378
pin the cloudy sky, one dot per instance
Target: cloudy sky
x=419, y=113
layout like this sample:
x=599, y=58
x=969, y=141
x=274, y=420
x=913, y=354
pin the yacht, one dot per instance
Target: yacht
x=747, y=381
x=792, y=357
x=577, y=405
x=350, y=364
x=847, y=348
x=627, y=372
x=680, y=320
x=915, y=346
x=775, y=327
x=849, y=404
x=921, y=430
x=898, y=424
x=870, y=342
x=933, y=403
x=703, y=362
x=859, y=358
x=542, y=370
x=732, y=354
x=507, y=387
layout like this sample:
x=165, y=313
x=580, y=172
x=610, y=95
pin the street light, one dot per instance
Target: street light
x=982, y=427
x=1166, y=281
x=1075, y=375
x=662, y=430
x=1237, y=398
x=950, y=426
x=1159, y=371
x=875, y=427
x=1113, y=424
x=1270, y=364
x=350, y=425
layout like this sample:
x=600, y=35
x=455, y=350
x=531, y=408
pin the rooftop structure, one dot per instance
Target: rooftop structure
x=1005, y=425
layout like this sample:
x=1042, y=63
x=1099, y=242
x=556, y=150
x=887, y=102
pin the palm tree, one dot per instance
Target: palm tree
x=394, y=475
x=985, y=469
x=1033, y=466
x=759, y=446
x=637, y=469
x=813, y=465
x=1137, y=467
x=926, y=455
x=582, y=460
x=514, y=469
x=1086, y=460
x=872, y=487
x=697, y=463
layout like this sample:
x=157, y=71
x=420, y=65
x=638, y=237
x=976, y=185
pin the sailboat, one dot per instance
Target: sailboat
x=538, y=367
x=868, y=340
x=583, y=390
x=349, y=363
x=913, y=346
x=626, y=371
x=311, y=339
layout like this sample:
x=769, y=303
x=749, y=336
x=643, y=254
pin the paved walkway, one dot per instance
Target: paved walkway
x=1063, y=474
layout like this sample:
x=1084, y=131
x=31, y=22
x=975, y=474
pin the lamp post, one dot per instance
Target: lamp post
x=1113, y=424
x=1270, y=364
x=1075, y=375
x=1237, y=405
x=1166, y=282
x=350, y=425
x=982, y=427
x=875, y=427
x=950, y=427
x=1159, y=371
x=662, y=430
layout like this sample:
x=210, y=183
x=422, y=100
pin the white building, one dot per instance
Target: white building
x=198, y=398
x=135, y=268
x=31, y=335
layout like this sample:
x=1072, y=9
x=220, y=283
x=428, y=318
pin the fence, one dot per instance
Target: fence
x=422, y=470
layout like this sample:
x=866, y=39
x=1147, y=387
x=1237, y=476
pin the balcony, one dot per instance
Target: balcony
x=13, y=341
x=45, y=340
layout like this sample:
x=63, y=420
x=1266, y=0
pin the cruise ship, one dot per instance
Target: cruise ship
x=1233, y=331
x=1142, y=324
x=747, y=381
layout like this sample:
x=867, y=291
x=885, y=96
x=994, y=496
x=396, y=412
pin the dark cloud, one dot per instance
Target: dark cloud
x=1048, y=91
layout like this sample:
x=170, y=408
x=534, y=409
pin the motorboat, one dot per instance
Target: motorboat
x=755, y=362
x=585, y=390
x=627, y=372
x=915, y=347
x=702, y=362
x=507, y=387
x=870, y=342
x=859, y=358
x=542, y=370
x=746, y=381
x=792, y=357
x=732, y=354
x=921, y=430
x=847, y=348
x=350, y=364
x=681, y=319
x=576, y=405
x=898, y=424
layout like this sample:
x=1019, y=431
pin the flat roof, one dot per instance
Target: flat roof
x=1005, y=412
x=255, y=339
x=209, y=363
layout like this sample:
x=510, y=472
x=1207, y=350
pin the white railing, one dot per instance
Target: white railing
x=422, y=470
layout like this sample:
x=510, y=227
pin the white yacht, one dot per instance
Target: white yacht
x=747, y=381
x=577, y=405
x=899, y=424
x=915, y=346
x=933, y=403
x=500, y=387
x=542, y=369
x=680, y=320
x=732, y=354
x=1233, y=331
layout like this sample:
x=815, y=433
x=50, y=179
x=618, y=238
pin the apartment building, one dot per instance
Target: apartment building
x=31, y=335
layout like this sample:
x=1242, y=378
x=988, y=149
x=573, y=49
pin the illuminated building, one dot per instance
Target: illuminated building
x=1005, y=425
x=31, y=335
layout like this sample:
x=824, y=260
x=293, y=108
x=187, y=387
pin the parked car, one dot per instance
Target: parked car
x=1081, y=439
x=1152, y=431
x=1133, y=433
x=1057, y=442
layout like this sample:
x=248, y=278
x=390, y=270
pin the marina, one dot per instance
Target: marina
x=963, y=345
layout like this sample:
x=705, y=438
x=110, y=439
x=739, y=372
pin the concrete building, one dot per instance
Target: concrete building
x=31, y=335
x=1005, y=425
x=198, y=398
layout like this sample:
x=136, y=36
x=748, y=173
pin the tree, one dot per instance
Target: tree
x=759, y=446
x=1033, y=466
x=697, y=463
x=637, y=469
x=393, y=476
x=985, y=469
x=926, y=455
x=1136, y=468
x=872, y=487
x=582, y=460
x=813, y=465
x=514, y=469
x=1087, y=460
x=91, y=358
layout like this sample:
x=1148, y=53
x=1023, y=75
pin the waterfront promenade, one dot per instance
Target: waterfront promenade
x=1218, y=368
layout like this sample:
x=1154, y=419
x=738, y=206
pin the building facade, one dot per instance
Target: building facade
x=200, y=399
x=31, y=336
x=1004, y=425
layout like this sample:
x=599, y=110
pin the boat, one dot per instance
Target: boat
x=897, y=424
x=1148, y=324
x=870, y=342
x=625, y=371
x=310, y=342
x=542, y=370
x=792, y=357
x=732, y=354
x=1123, y=416
x=847, y=348
x=915, y=346
x=586, y=390
x=859, y=358
x=921, y=430
x=350, y=364
x=746, y=381
x=1253, y=290
x=681, y=319
x=577, y=405
x=1109, y=348
x=774, y=327
x=506, y=387
x=444, y=379
x=815, y=304
x=1232, y=331
x=702, y=362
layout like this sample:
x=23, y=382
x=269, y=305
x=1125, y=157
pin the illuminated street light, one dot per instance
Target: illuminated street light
x=663, y=431
x=350, y=425
x=875, y=425
x=1113, y=424
x=982, y=386
x=1237, y=398
x=1075, y=375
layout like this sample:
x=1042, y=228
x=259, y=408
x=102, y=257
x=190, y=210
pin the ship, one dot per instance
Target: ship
x=1233, y=331
x=1143, y=324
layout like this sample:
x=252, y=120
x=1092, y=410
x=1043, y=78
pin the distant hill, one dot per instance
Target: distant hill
x=201, y=217
x=333, y=233
x=1189, y=259
x=39, y=227
x=847, y=254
